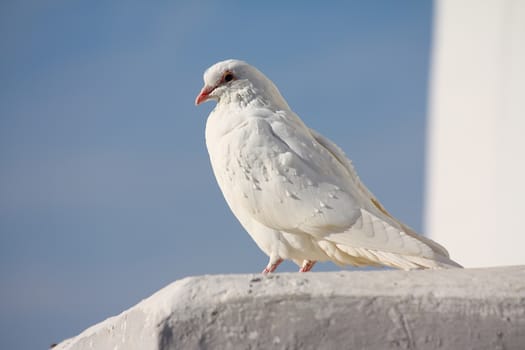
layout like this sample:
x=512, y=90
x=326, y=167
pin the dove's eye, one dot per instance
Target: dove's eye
x=228, y=77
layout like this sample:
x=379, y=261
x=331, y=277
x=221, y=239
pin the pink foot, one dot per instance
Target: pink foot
x=271, y=267
x=307, y=265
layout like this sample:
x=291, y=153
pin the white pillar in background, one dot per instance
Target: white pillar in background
x=475, y=194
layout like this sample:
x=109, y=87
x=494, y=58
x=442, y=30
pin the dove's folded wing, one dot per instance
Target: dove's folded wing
x=303, y=188
x=321, y=195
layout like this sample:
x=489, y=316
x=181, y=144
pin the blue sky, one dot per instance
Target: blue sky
x=106, y=192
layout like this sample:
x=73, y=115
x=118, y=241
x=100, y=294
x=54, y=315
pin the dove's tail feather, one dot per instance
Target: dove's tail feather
x=344, y=255
x=408, y=262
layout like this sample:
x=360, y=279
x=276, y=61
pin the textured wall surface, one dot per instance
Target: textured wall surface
x=443, y=309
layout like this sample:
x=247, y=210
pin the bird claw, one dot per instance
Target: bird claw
x=271, y=267
x=307, y=265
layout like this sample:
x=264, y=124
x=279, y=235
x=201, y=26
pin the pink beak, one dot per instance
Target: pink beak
x=204, y=95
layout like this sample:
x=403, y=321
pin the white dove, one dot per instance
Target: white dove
x=292, y=189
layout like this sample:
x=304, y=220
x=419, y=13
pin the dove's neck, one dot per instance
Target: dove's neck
x=254, y=94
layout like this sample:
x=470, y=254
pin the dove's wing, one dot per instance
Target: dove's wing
x=311, y=188
x=283, y=178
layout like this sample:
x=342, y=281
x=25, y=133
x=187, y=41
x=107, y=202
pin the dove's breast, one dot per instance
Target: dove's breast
x=243, y=161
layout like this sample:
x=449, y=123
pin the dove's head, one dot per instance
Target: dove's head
x=228, y=78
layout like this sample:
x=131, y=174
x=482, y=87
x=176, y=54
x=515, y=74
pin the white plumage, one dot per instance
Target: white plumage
x=293, y=190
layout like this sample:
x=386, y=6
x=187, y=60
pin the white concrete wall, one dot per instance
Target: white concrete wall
x=476, y=152
x=432, y=309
